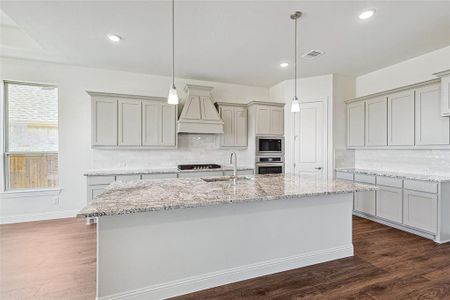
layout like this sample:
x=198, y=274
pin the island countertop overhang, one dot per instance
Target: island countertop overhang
x=164, y=194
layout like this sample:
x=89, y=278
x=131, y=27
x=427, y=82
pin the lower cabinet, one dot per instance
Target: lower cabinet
x=390, y=203
x=365, y=202
x=420, y=210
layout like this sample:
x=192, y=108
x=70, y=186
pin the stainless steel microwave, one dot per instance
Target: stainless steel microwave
x=269, y=145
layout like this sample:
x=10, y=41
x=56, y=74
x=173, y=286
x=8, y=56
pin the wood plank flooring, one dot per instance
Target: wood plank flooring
x=56, y=260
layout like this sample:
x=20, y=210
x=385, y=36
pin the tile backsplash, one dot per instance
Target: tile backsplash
x=410, y=161
x=192, y=148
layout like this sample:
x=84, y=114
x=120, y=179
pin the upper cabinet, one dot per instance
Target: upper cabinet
x=132, y=121
x=269, y=118
x=376, y=122
x=355, y=124
x=401, y=118
x=234, y=117
x=445, y=92
x=407, y=117
x=431, y=127
x=104, y=121
x=129, y=122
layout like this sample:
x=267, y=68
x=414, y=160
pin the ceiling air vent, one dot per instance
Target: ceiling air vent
x=312, y=54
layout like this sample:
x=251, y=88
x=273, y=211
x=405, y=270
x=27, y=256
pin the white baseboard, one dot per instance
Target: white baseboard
x=209, y=280
x=39, y=216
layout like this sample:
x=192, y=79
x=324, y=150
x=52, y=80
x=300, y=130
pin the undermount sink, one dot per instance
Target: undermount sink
x=226, y=178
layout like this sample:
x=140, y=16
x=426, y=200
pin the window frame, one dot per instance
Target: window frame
x=6, y=152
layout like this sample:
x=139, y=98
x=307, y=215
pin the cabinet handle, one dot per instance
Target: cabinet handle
x=318, y=168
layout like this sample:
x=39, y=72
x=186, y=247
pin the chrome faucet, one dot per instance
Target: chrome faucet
x=235, y=163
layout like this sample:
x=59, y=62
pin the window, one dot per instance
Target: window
x=31, y=136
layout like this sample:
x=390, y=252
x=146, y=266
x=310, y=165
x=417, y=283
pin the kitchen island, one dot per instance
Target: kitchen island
x=162, y=238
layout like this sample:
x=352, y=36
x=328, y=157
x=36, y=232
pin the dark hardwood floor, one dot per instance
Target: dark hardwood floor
x=56, y=260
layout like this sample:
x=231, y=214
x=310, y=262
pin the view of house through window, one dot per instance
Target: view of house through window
x=31, y=137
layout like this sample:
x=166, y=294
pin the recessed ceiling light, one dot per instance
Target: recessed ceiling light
x=114, y=38
x=367, y=14
x=284, y=65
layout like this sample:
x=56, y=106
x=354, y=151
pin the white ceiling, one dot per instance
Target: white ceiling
x=231, y=41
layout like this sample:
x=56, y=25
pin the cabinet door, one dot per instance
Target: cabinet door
x=240, y=128
x=390, y=203
x=263, y=123
x=129, y=122
x=401, y=119
x=376, y=122
x=445, y=95
x=365, y=202
x=104, y=121
x=277, y=120
x=168, y=125
x=420, y=210
x=151, y=115
x=227, y=138
x=355, y=124
x=431, y=127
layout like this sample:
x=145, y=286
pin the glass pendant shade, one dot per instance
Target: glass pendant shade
x=295, y=105
x=173, y=95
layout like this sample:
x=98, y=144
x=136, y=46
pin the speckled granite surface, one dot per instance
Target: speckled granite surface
x=143, y=196
x=106, y=172
x=413, y=176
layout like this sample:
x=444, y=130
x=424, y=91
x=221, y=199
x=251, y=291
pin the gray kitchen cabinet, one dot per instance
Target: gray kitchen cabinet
x=420, y=210
x=389, y=203
x=129, y=125
x=132, y=121
x=234, y=117
x=128, y=177
x=159, y=176
x=365, y=202
x=376, y=122
x=445, y=92
x=431, y=127
x=401, y=118
x=269, y=119
x=104, y=121
x=159, y=123
x=355, y=124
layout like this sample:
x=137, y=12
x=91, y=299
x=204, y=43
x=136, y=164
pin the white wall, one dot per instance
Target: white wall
x=75, y=153
x=411, y=71
x=417, y=69
x=311, y=89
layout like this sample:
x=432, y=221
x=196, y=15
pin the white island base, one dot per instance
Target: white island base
x=160, y=254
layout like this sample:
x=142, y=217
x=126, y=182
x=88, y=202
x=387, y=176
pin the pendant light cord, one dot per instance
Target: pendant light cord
x=173, y=43
x=295, y=61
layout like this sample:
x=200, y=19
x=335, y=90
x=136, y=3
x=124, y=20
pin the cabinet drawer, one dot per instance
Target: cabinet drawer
x=125, y=178
x=95, y=190
x=422, y=186
x=365, y=178
x=389, y=181
x=200, y=174
x=95, y=180
x=239, y=172
x=159, y=176
x=344, y=176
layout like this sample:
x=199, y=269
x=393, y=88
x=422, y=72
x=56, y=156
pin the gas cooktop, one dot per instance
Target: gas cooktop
x=198, y=167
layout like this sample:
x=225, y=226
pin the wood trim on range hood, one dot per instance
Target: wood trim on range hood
x=199, y=115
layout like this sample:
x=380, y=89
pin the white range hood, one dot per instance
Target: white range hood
x=199, y=114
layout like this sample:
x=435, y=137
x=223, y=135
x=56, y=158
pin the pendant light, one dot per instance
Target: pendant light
x=295, y=105
x=173, y=94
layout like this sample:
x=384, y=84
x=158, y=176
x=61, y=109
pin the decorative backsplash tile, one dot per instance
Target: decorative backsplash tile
x=410, y=161
x=192, y=148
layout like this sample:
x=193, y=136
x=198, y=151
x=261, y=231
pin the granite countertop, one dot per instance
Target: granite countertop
x=162, y=194
x=106, y=172
x=413, y=176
